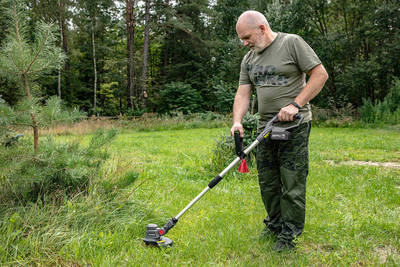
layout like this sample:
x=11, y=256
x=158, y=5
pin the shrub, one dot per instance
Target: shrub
x=56, y=171
x=386, y=111
x=224, y=94
x=224, y=152
x=180, y=97
x=334, y=117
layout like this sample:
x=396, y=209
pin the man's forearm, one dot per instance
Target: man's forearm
x=316, y=82
x=241, y=103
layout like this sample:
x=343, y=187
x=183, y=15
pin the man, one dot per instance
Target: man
x=276, y=66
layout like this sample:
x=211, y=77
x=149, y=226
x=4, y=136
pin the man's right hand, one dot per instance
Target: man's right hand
x=237, y=126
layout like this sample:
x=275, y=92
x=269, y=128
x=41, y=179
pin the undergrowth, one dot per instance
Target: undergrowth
x=224, y=149
x=58, y=170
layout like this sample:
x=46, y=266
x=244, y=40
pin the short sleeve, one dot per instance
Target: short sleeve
x=304, y=55
x=244, y=72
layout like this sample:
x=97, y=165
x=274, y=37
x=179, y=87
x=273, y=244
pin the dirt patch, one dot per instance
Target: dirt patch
x=385, y=252
x=393, y=165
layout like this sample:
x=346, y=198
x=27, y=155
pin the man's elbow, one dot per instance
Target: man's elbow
x=322, y=73
x=325, y=75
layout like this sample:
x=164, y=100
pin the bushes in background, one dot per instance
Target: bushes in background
x=383, y=112
x=179, y=97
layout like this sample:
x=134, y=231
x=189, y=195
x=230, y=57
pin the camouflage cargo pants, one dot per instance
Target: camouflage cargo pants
x=282, y=171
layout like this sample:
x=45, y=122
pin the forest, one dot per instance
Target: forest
x=132, y=101
x=181, y=56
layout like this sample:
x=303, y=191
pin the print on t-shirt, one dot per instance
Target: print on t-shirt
x=265, y=75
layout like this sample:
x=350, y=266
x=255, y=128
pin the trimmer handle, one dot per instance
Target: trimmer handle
x=298, y=116
x=268, y=128
x=239, y=144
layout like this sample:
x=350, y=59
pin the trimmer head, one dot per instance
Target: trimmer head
x=154, y=237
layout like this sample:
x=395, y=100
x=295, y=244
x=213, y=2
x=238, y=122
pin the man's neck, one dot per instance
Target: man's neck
x=270, y=38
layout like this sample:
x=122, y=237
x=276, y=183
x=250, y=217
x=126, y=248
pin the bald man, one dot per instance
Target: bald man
x=276, y=66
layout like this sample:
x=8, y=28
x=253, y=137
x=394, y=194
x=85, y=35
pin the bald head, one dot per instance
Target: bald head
x=251, y=19
x=253, y=29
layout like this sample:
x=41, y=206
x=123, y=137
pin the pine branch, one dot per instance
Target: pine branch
x=40, y=48
x=13, y=60
x=17, y=31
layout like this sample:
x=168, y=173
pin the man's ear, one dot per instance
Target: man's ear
x=262, y=27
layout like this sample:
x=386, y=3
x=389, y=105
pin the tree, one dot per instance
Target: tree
x=145, y=54
x=64, y=42
x=26, y=61
x=92, y=19
x=130, y=31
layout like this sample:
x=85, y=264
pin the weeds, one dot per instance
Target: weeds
x=224, y=150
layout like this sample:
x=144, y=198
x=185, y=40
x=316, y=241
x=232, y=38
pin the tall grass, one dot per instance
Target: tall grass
x=152, y=123
x=58, y=170
x=352, y=211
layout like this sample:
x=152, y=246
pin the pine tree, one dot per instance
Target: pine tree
x=25, y=62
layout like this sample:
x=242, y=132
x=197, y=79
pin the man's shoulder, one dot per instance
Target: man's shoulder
x=290, y=37
x=247, y=57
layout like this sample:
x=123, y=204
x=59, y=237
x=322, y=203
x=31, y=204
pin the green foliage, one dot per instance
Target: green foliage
x=129, y=178
x=224, y=151
x=6, y=116
x=108, y=99
x=381, y=112
x=179, y=97
x=344, y=202
x=136, y=112
x=250, y=122
x=224, y=94
x=54, y=112
x=19, y=56
x=195, y=43
x=56, y=171
x=334, y=117
x=177, y=122
x=51, y=113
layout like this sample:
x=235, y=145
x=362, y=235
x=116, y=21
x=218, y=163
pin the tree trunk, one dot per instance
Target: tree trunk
x=64, y=40
x=145, y=55
x=34, y=121
x=166, y=57
x=130, y=20
x=94, y=70
x=59, y=83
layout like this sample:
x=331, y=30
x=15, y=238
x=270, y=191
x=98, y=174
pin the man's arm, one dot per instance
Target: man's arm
x=240, y=106
x=316, y=82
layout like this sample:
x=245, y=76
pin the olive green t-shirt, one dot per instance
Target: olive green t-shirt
x=279, y=74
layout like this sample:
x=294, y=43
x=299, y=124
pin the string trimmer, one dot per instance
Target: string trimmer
x=155, y=235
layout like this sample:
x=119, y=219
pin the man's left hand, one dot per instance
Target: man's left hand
x=287, y=113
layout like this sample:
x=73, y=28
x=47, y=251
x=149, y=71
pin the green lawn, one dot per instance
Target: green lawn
x=352, y=218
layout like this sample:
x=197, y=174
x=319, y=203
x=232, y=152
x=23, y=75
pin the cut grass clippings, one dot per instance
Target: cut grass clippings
x=352, y=213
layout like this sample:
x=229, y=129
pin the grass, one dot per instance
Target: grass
x=352, y=211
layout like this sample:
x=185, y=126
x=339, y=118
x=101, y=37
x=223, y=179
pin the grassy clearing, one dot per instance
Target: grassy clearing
x=352, y=211
x=145, y=123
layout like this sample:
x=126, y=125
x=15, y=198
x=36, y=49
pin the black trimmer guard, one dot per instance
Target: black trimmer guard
x=154, y=237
